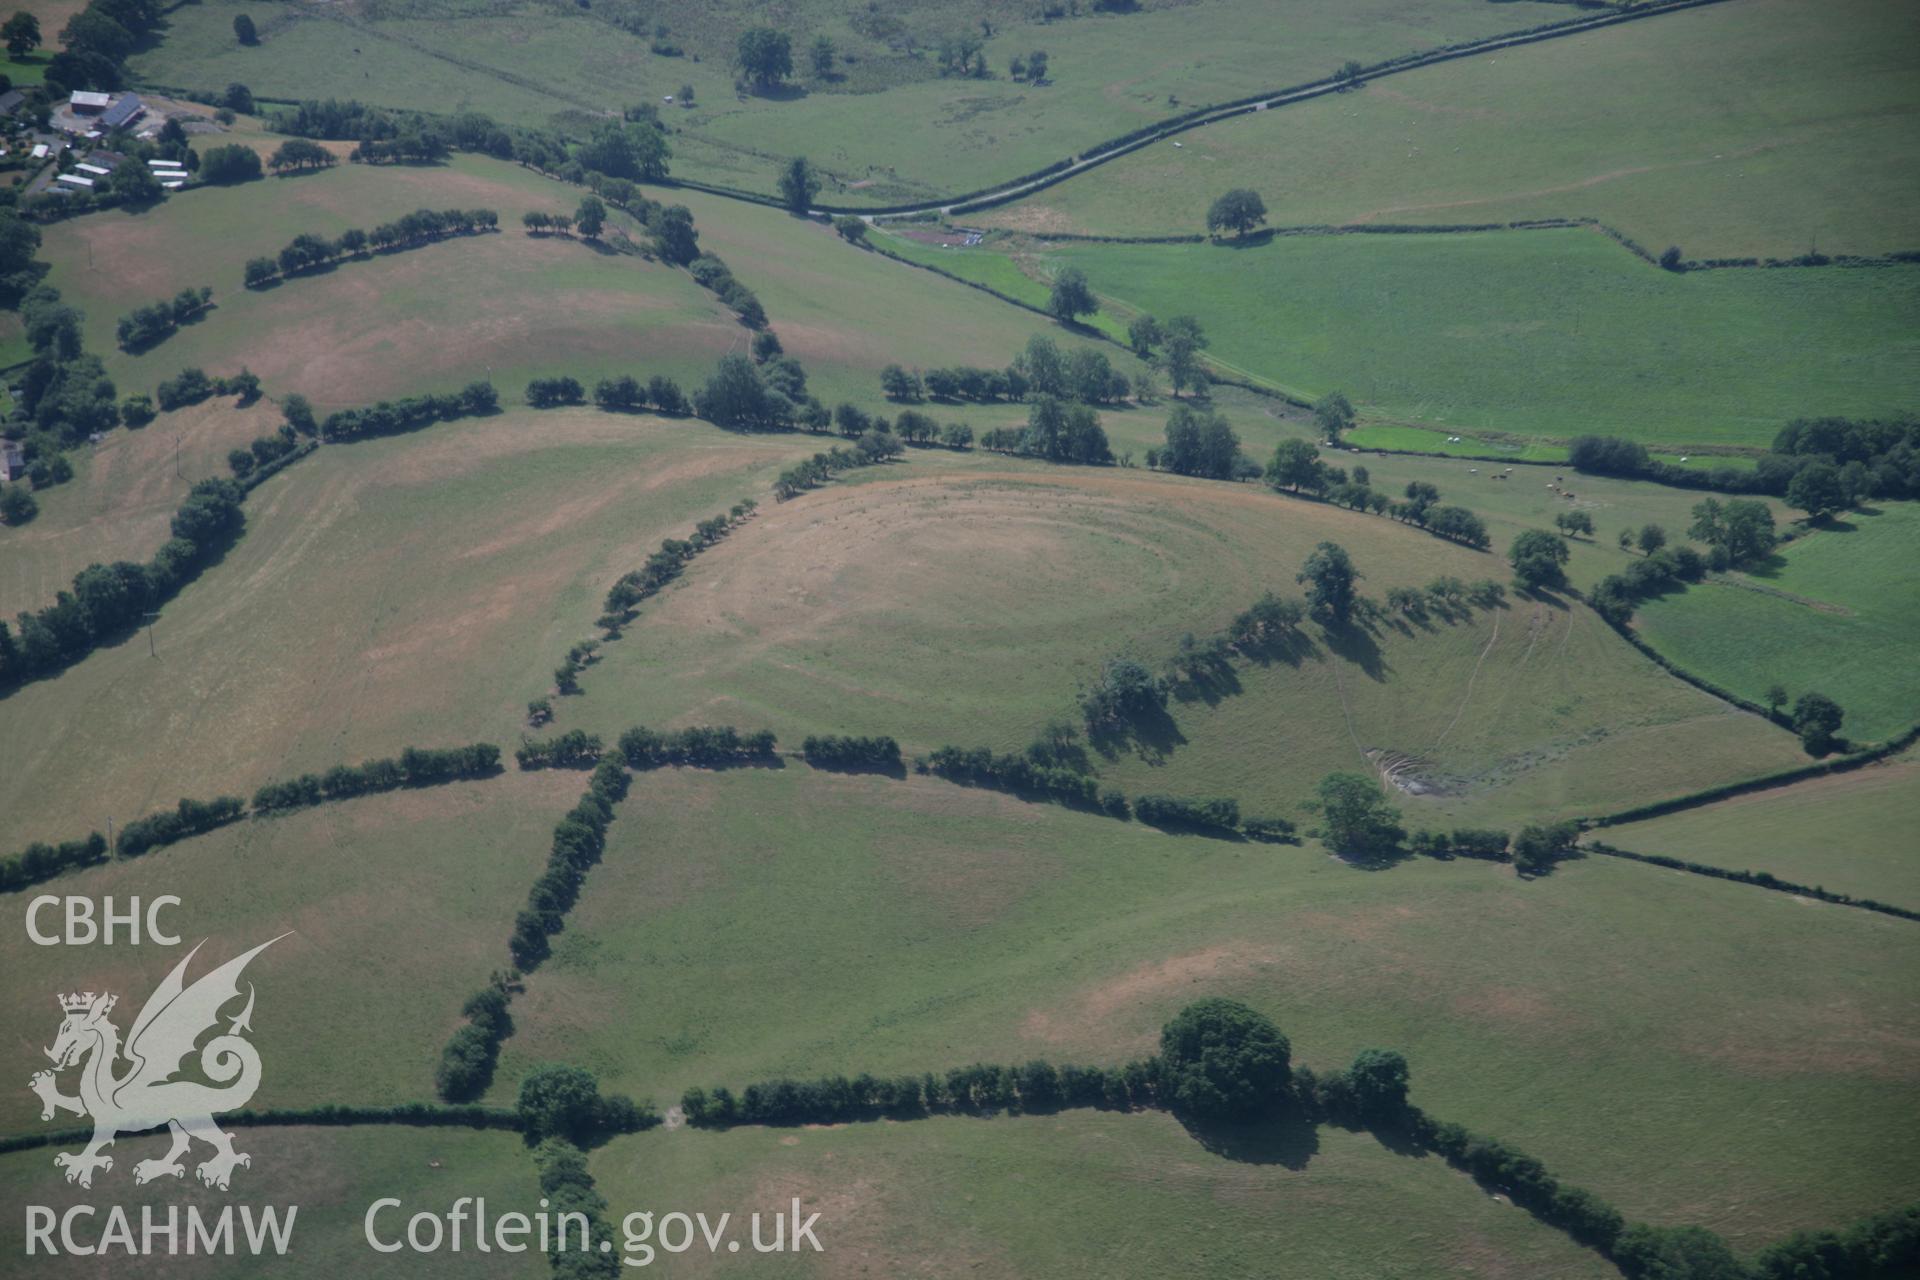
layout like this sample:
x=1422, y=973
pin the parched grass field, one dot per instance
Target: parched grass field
x=1850, y=833
x=970, y=604
x=122, y=497
x=399, y=906
x=888, y=129
x=411, y=590
x=1082, y=1194
x=1725, y=130
x=332, y=1174
x=1834, y=611
x=1553, y=333
x=1694, y=1051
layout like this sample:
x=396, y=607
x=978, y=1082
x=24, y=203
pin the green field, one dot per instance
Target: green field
x=1552, y=333
x=412, y=590
x=1844, y=833
x=1832, y=612
x=1724, y=130
x=332, y=1175
x=888, y=129
x=762, y=921
x=1081, y=1194
x=358, y=883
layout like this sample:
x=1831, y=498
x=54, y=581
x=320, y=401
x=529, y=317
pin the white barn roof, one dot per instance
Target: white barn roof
x=76, y=179
x=94, y=101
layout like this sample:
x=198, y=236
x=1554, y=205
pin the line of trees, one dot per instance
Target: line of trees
x=554, y=393
x=574, y=749
x=750, y=397
x=64, y=395
x=309, y=252
x=627, y=394
x=187, y=818
x=1211, y=814
x=265, y=454
x=467, y=1062
x=193, y=385
x=874, y=447
x=578, y=841
x=666, y=564
x=144, y=326
x=389, y=417
x=1056, y=430
x=408, y=148
x=707, y=746
x=847, y=752
x=41, y=861
x=413, y=767
x=1818, y=465
x=710, y=273
x=1298, y=468
x=108, y=601
x=1048, y=778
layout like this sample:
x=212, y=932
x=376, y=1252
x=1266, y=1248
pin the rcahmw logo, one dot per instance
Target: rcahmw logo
x=132, y=1087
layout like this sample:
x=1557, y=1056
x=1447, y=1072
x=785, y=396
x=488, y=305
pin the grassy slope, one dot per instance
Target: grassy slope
x=1083, y=1194
x=1724, y=130
x=1848, y=613
x=353, y=1007
x=970, y=602
x=1548, y=332
x=1849, y=833
x=909, y=134
x=332, y=1175
x=416, y=589
x=1692, y=1050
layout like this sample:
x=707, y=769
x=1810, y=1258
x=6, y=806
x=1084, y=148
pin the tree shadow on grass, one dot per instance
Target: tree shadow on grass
x=1285, y=1138
x=1152, y=735
x=1357, y=645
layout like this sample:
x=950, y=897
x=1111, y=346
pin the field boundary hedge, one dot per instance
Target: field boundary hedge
x=1761, y=879
x=413, y=767
x=1767, y=782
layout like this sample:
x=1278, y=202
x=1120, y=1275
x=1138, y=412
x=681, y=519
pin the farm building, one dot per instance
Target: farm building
x=123, y=112
x=74, y=180
x=10, y=101
x=98, y=171
x=87, y=103
x=13, y=460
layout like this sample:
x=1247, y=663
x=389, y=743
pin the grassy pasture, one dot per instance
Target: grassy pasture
x=1851, y=833
x=888, y=129
x=969, y=605
x=842, y=610
x=400, y=906
x=416, y=589
x=506, y=304
x=1724, y=130
x=1085, y=1194
x=332, y=1174
x=1834, y=611
x=1553, y=333
x=1693, y=1050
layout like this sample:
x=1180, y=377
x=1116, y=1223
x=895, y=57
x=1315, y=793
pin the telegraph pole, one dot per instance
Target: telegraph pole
x=149, y=619
x=176, y=453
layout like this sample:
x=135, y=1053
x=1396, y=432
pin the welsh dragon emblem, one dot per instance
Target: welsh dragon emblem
x=145, y=1095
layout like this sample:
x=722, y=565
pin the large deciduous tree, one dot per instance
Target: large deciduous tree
x=1238, y=211
x=1224, y=1061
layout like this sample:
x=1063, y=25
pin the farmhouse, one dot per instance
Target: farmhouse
x=13, y=460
